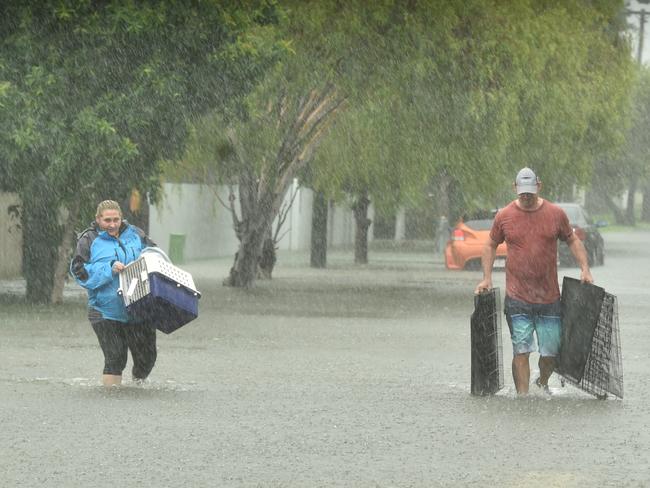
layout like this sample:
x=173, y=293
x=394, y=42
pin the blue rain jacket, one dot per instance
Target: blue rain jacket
x=96, y=252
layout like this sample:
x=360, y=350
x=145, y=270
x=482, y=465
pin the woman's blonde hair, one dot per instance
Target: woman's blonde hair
x=108, y=205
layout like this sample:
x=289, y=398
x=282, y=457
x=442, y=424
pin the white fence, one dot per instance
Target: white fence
x=195, y=212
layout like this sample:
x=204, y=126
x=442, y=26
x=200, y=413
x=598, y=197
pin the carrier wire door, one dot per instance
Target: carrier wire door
x=590, y=354
x=487, y=349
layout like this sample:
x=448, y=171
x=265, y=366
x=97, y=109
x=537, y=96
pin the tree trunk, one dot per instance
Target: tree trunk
x=41, y=240
x=645, y=207
x=360, y=210
x=63, y=254
x=268, y=258
x=630, y=218
x=258, y=212
x=319, y=231
x=244, y=269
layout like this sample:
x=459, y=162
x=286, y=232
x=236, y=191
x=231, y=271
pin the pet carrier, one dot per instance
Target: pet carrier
x=590, y=354
x=487, y=350
x=156, y=291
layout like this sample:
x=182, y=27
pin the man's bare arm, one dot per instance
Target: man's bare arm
x=580, y=253
x=487, y=261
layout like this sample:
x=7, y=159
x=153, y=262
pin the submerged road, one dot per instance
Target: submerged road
x=351, y=376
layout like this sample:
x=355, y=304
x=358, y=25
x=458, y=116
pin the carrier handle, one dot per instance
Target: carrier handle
x=156, y=250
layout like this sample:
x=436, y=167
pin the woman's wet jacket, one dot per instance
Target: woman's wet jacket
x=92, y=264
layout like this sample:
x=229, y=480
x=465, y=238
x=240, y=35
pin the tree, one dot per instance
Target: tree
x=491, y=88
x=279, y=143
x=276, y=136
x=318, y=251
x=574, y=98
x=629, y=168
x=450, y=95
x=96, y=94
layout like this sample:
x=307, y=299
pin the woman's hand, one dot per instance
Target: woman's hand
x=117, y=267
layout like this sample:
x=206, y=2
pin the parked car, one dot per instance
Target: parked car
x=588, y=233
x=467, y=241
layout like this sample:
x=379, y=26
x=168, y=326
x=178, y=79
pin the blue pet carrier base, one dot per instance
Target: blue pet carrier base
x=167, y=305
x=157, y=292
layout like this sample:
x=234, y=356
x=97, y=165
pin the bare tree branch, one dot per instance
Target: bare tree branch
x=307, y=135
x=276, y=239
x=215, y=191
x=305, y=107
x=327, y=105
x=304, y=152
x=236, y=221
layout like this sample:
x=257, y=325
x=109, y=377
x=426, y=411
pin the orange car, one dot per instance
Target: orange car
x=466, y=244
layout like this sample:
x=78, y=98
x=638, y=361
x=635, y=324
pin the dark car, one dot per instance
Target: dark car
x=587, y=232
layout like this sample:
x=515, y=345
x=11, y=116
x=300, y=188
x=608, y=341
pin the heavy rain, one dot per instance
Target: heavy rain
x=322, y=174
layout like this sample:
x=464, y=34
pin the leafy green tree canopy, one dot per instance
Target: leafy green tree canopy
x=96, y=94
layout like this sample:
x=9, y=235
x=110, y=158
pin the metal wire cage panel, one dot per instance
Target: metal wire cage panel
x=156, y=291
x=590, y=355
x=487, y=348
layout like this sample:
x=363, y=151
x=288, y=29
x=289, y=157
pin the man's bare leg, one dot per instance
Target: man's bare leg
x=521, y=373
x=546, y=368
x=112, y=379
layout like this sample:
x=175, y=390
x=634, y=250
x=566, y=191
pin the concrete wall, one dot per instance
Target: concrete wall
x=295, y=234
x=193, y=210
x=11, y=238
x=341, y=226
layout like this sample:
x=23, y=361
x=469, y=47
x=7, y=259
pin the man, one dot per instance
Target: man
x=531, y=226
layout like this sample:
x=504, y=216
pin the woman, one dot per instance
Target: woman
x=103, y=250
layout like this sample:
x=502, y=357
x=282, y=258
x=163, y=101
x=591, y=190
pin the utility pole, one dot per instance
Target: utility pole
x=642, y=18
x=629, y=213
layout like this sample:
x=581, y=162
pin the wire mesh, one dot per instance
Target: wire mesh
x=595, y=343
x=486, y=344
x=133, y=282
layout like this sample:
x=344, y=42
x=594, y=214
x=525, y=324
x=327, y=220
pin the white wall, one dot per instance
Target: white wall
x=340, y=226
x=193, y=210
x=296, y=230
x=400, y=224
x=11, y=238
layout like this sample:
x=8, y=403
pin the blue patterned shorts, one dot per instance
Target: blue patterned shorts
x=543, y=319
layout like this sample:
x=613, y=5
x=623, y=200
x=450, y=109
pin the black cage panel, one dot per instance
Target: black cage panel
x=590, y=355
x=487, y=350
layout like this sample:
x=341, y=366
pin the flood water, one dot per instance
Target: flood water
x=350, y=376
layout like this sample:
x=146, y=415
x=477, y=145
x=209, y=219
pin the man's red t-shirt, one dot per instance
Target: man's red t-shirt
x=531, y=236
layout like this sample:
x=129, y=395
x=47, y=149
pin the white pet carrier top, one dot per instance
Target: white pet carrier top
x=134, y=278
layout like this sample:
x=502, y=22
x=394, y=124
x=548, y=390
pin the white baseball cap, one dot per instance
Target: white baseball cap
x=526, y=181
